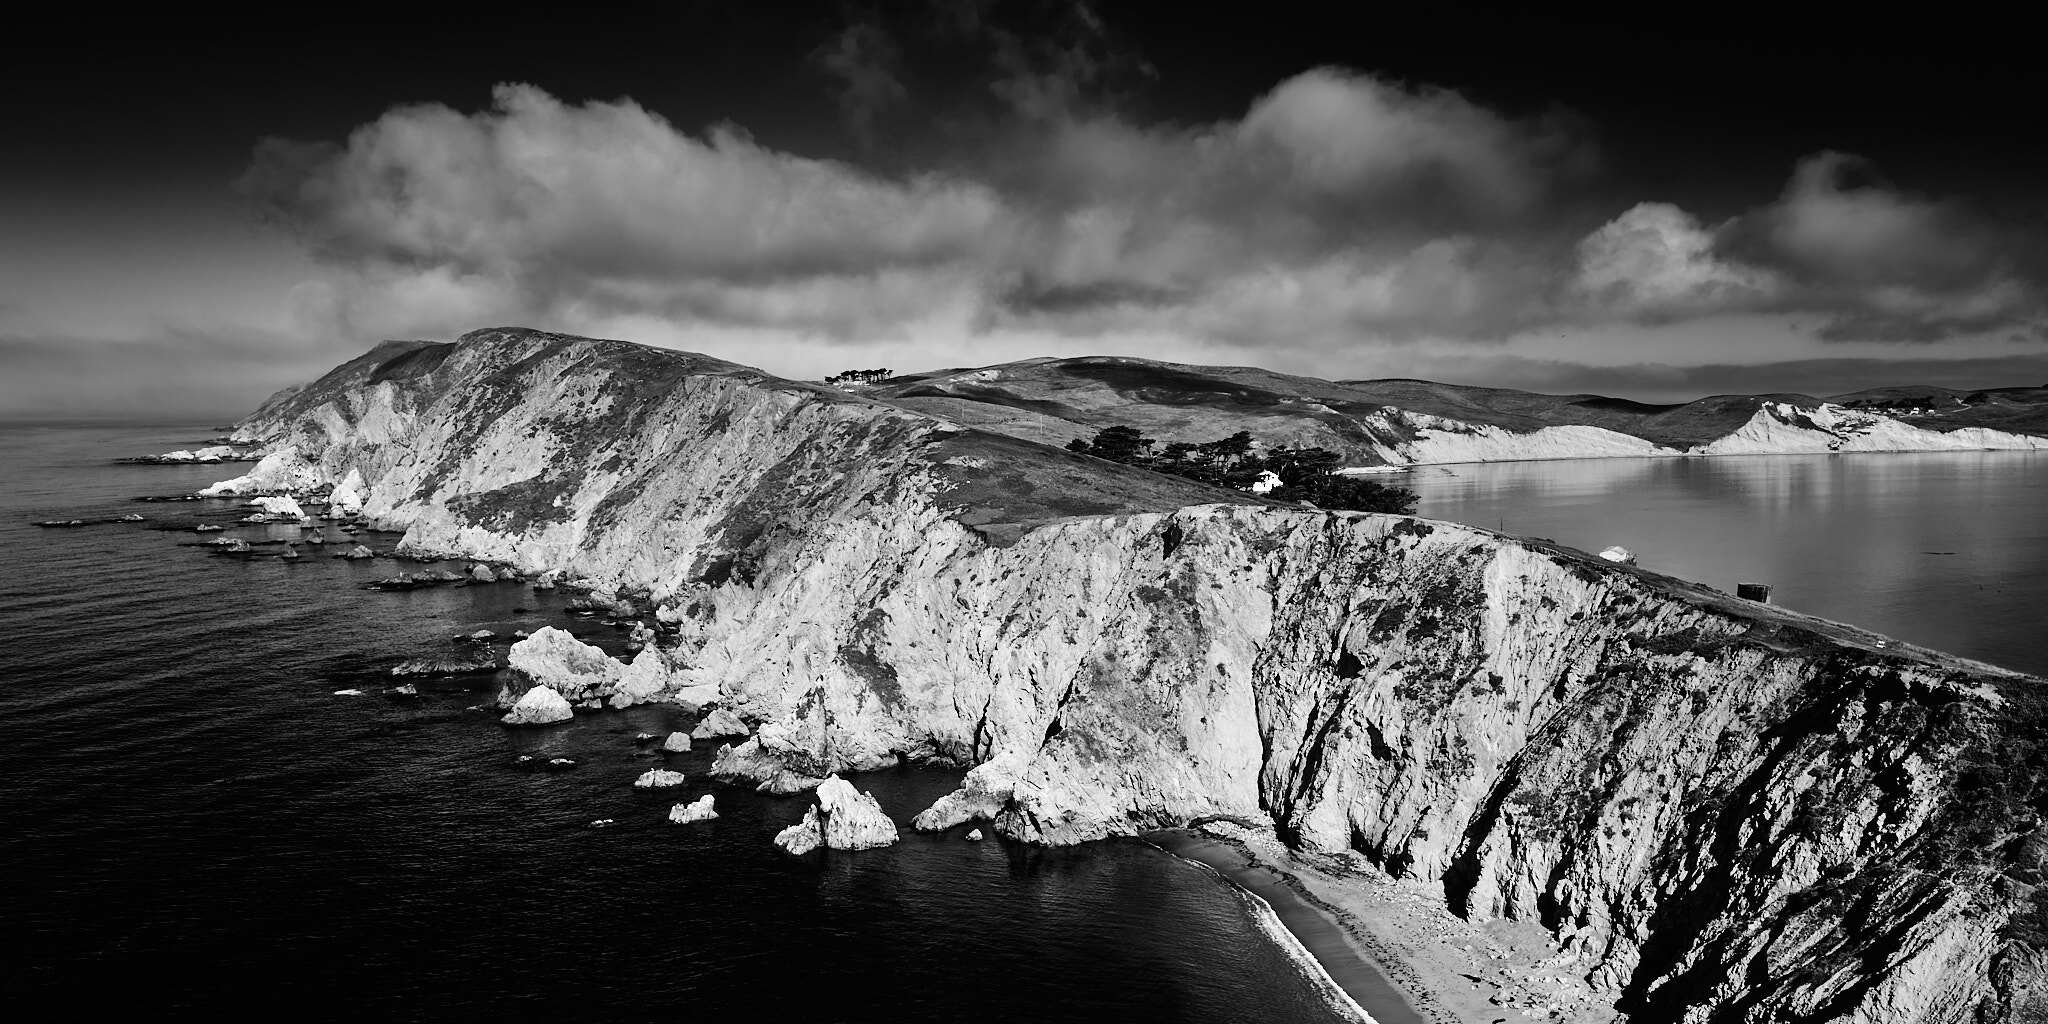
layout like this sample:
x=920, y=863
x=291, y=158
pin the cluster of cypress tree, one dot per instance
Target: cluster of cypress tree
x=1306, y=474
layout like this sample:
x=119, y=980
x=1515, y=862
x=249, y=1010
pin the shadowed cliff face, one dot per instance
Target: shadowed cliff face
x=1725, y=812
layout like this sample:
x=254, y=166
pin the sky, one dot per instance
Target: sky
x=198, y=207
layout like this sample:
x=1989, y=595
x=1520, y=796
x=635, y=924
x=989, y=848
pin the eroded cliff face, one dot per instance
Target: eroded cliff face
x=1724, y=811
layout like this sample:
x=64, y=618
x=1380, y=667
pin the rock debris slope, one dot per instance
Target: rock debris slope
x=1724, y=812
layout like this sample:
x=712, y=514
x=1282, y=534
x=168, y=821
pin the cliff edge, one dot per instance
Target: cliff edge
x=1722, y=811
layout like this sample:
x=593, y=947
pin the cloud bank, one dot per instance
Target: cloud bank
x=1339, y=210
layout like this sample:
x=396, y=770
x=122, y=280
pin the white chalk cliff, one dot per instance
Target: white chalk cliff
x=1407, y=438
x=1725, y=811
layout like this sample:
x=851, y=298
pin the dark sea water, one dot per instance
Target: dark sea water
x=195, y=824
x=1944, y=549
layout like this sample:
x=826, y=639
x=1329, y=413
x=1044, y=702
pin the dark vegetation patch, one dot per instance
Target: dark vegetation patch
x=414, y=363
x=1160, y=384
x=1021, y=483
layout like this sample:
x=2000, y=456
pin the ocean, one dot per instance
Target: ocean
x=1944, y=549
x=197, y=824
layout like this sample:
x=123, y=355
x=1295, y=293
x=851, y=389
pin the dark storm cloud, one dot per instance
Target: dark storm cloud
x=867, y=64
x=1661, y=382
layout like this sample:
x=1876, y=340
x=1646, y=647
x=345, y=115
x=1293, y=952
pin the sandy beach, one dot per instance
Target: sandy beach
x=1389, y=944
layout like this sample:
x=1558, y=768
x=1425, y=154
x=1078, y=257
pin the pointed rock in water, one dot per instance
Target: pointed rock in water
x=641, y=680
x=539, y=706
x=554, y=658
x=659, y=778
x=701, y=809
x=719, y=722
x=804, y=836
x=974, y=836
x=676, y=743
x=844, y=818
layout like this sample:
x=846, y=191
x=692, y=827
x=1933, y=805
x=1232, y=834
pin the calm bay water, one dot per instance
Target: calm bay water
x=197, y=824
x=1948, y=549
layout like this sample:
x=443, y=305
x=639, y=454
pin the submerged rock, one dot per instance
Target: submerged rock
x=479, y=663
x=719, y=722
x=659, y=778
x=702, y=809
x=539, y=706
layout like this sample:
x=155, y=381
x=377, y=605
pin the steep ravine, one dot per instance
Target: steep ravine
x=1726, y=812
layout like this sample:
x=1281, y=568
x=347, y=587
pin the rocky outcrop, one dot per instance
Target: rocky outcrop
x=719, y=723
x=659, y=778
x=539, y=706
x=701, y=809
x=1721, y=811
x=554, y=658
x=844, y=818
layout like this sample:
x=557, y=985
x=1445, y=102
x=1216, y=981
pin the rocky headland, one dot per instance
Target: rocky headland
x=1713, y=810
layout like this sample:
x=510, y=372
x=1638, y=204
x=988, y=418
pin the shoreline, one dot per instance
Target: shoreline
x=1390, y=469
x=1389, y=948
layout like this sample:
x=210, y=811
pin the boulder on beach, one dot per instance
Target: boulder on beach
x=702, y=809
x=719, y=722
x=659, y=778
x=844, y=818
x=676, y=743
x=539, y=706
